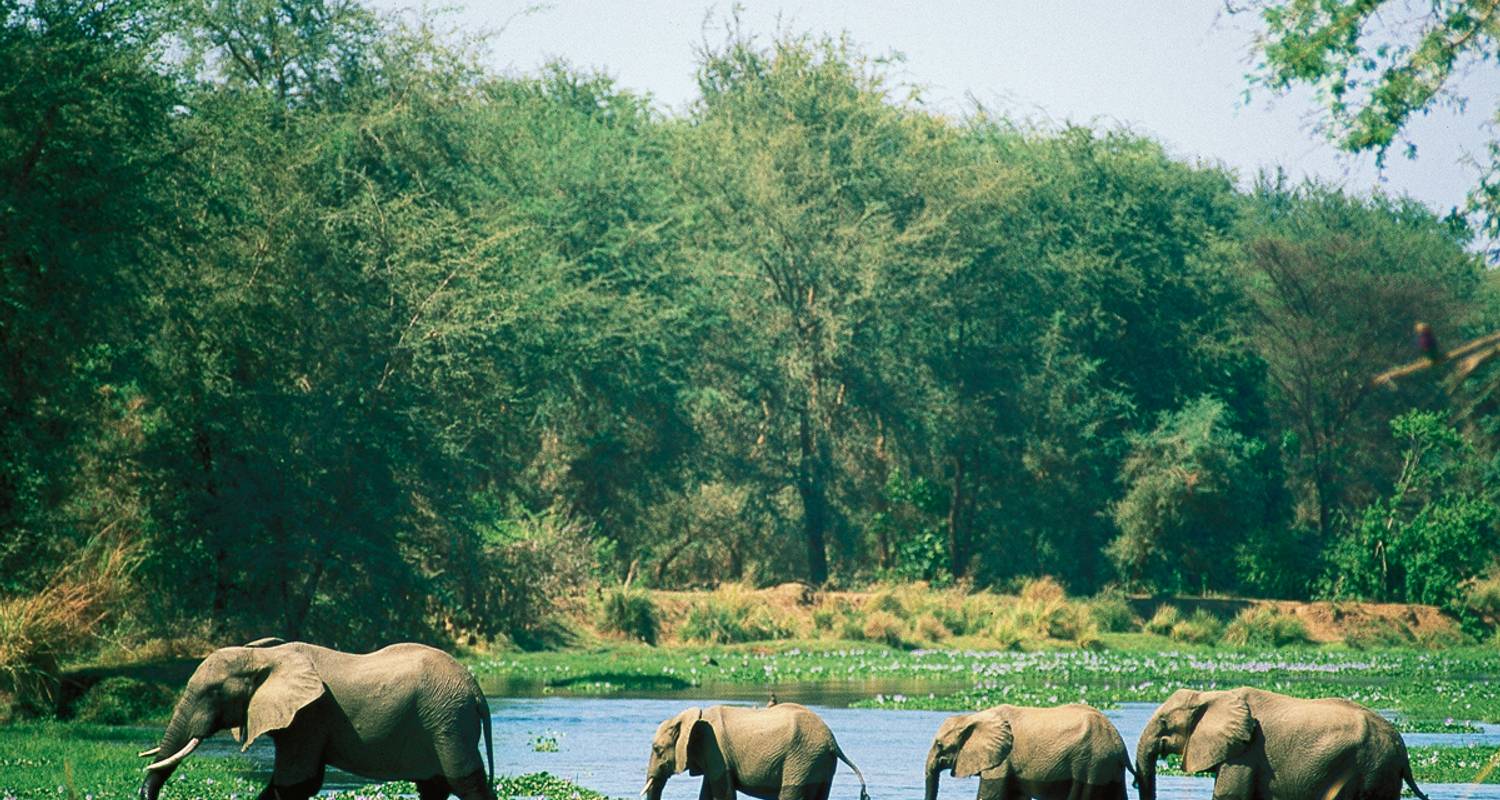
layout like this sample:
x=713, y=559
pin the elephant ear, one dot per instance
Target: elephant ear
x=986, y=747
x=705, y=750
x=1223, y=730
x=291, y=685
x=685, y=722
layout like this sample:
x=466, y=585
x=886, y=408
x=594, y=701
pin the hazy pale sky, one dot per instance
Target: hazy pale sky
x=1172, y=69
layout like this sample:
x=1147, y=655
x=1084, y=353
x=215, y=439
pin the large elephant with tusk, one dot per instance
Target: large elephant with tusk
x=405, y=712
x=1270, y=746
x=784, y=752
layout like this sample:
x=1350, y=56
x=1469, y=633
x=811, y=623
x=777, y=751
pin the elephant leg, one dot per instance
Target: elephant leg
x=296, y=791
x=1235, y=782
x=474, y=786
x=433, y=789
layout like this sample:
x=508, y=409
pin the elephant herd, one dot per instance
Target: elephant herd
x=412, y=712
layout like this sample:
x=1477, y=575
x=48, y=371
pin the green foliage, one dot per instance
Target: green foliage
x=1375, y=68
x=1163, y=620
x=1113, y=613
x=730, y=615
x=124, y=701
x=1432, y=534
x=1191, y=495
x=630, y=612
x=1200, y=628
x=315, y=309
x=1265, y=626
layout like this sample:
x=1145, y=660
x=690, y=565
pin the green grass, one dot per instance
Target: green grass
x=1473, y=763
x=1426, y=686
x=75, y=761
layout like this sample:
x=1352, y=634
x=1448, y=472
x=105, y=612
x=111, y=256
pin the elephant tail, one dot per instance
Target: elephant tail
x=1411, y=781
x=864, y=794
x=489, y=742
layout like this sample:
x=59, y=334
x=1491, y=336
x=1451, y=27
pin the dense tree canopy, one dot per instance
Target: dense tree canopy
x=301, y=305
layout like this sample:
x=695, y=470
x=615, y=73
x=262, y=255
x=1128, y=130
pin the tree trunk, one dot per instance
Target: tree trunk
x=957, y=536
x=813, y=490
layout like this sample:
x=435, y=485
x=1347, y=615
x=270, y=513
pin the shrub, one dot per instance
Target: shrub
x=883, y=626
x=1113, y=614
x=1481, y=597
x=732, y=614
x=1201, y=628
x=888, y=603
x=1045, y=589
x=931, y=628
x=631, y=612
x=37, y=632
x=1265, y=626
x=1163, y=620
x=1377, y=633
x=123, y=701
x=1007, y=635
x=1073, y=623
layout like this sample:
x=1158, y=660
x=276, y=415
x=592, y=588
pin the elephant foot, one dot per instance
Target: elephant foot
x=474, y=786
x=433, y=789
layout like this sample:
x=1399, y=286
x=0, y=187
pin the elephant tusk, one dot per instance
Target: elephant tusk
x=646, y=788
x=148, y=753
x=172, y=760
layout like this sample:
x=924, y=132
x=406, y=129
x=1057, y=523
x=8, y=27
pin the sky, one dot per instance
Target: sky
x=1171, y=69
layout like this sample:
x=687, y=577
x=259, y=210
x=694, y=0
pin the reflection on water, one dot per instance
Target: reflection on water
x=603, y=742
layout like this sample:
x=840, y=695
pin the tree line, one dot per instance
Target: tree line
x=342, y=334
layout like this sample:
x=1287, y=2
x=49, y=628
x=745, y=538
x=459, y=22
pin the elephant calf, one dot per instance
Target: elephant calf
x=406, y=711
x=1069, y=752
x=1269, y=746
x=784, y=752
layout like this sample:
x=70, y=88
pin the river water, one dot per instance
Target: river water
x=602, y=743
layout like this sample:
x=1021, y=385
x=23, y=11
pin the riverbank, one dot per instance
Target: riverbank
x=1428, y=688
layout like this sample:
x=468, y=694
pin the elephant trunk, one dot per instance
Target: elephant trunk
x=182, y=735
x=1146, y=752
x=932, y=775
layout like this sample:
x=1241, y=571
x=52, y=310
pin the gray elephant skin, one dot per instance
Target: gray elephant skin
x=784, y=752
x=1270, y=746
x=1069, y=752
x=405, y=712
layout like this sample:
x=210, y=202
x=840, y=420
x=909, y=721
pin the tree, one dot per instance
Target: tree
x=1434, y=531
x=1377, y=63
x=90, y=157
x=798, y=166
x=1334, y=283
x=1192, y=495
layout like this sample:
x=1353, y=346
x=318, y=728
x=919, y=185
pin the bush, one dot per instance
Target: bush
x=1163, y=620
x=124, y=701
x=1007, y=635
x=931, y=628
x=37, y=632
x=730, y=615
x=1481, y=598
x=1201, y=628
x=883, y=626
x=630, y=612
x=1043, y=590
x=1265, y=626
x=1113, y=614
x=1376, y=633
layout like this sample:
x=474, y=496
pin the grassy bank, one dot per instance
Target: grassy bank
x=1429, y=765
x=78, y=760
x=1429, y=687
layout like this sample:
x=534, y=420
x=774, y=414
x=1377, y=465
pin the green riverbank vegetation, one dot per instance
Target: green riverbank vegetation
x=314, y=325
